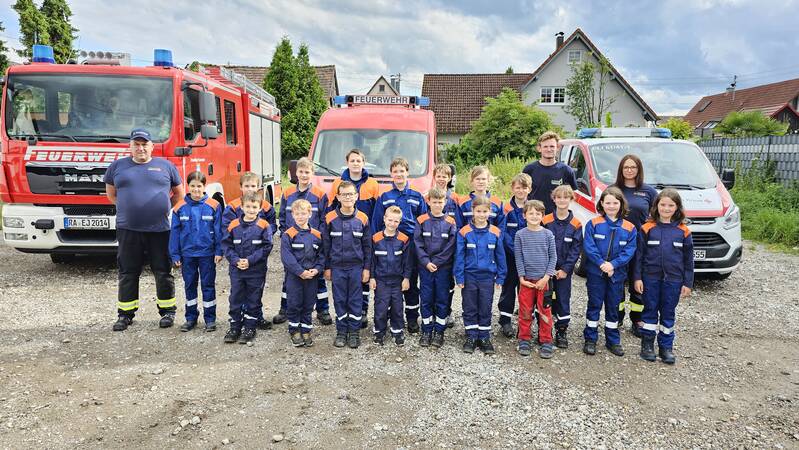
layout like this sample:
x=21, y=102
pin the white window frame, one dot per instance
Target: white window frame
x=552, y=93
x=541, y=95
x=579, y=56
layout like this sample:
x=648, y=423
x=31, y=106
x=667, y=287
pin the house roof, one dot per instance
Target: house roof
x=579, y=34
x=458, y=99
x=388, y=85
x=768, y=98
x=326, y=74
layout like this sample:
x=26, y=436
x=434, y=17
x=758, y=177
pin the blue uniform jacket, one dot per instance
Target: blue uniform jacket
x=434, y=241
x=367, y=188
x=568, y=240
x=233, y=211
x=639, y=202
x=596, y=244
x=480, y=255
x=391, y=256
x=301, y=250
x=496, y=218
x=347, y=240
x=314, y=195
x=450, y=205
x=196, y=229
x=409, y=200
x=514, y=221
x=665, y=252
x=248, y=240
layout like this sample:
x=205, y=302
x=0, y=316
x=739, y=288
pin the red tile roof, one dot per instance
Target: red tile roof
x=458, y=99
x=768, y=98
x=326, y=75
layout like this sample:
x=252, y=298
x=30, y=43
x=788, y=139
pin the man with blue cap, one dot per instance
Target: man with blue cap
x=144, y=190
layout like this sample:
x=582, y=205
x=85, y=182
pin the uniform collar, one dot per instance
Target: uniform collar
x=566, y=220
x=616, y=222
x=402, y=191
x=191, y=201
x=346, y=175
x=481, y=230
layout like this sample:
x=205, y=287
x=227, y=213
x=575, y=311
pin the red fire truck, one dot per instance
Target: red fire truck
x=63, y=124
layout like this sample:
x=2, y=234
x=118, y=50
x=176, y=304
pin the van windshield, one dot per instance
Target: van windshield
x=666, y=163
x=87, y=108
x=379, y=146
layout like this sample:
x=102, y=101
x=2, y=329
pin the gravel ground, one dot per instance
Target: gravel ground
x=66, y=380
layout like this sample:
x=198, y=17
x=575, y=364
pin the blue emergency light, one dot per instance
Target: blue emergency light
x=43, y=54
x=587, y=133
x=422, y=101
x=163, y=58
x=340, y=100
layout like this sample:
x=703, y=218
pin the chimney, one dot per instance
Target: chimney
x=395, y=82
x=558, y=40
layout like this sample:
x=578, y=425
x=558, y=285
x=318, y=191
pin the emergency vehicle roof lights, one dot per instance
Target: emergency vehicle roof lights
x=43, y=54
x=381, y=100
x=586, y=133
x=162, y=58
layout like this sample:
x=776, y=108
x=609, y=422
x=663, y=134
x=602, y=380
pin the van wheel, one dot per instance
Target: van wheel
x=62, y=258
x=580, y=268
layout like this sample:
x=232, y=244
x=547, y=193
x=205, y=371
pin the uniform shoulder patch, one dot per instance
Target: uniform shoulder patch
x=627, y=225
x=235, y=203
x=575, y=222
x=292, y=232
x=685, y=230
x=461, y=200
x=402, y=237
x=549, y=218
x=212, y=203
x=495, y=200
x=262, y=223
x=180, y=204
x=465, y=230
x=316, y=233
x=598, y=220
x=317, y=191
x=449, y=219
x=233, y=224
x=494, y=230
x=289, y=190
x=377, y=237
x=423, y=218
x=648, y=225
x=362, y=217
x=266, y=206
x=329, y=217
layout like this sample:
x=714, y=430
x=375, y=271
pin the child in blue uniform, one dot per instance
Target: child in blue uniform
x=195, y=247
x=665, y=273
x=479, y=268
x=246, y=246
x=390, y=272
x=514, y=221
x=434, y=239
x=609, y=245
x=442, y=175
x=568, y=232
x=303, y=259
x=480, y=178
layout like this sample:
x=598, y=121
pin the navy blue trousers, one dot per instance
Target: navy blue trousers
x=561, y=306
x=478, y=297
x=300, y=302
x=603, y=291
x=202, y=269
x=245, y=300
x=348, y=298
x=322, y=302
x=660, y=307
x=388, y=306
x=510, y=289
x=412, y=295
x=434, y=298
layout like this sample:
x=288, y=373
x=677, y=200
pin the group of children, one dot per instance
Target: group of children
x=361, y=239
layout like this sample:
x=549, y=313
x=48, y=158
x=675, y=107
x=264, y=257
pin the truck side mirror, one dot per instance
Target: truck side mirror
x=207, y=107
x=728, y=178
x=452, y=180
x=208, y=131
x=293, y=171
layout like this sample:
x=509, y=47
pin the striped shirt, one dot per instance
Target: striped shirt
x=535, y=253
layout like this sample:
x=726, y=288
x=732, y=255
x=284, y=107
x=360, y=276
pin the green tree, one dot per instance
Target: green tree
x=506, y=127
x=509, y=70
x=310, y=93
x=59, y=29
x=33, y=27
x=587, y=92
x=680, y=129
x=750, y=124
x=194, y=66
x=281, y=79
x=3, y=50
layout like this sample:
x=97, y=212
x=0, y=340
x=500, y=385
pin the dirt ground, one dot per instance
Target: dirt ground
x=67, y=380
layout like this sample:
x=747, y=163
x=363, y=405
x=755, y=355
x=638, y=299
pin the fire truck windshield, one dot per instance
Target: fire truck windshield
x=87, y=108
x=379, y=146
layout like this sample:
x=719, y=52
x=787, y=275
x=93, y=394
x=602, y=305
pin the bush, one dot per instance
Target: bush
x=502, y=168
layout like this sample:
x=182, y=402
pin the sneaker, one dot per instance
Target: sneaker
x=487, y=347
x=307, y=340
x=413, y=327
x=341, y=339
x=666, y=355
x=524, y=348
x=263, y=324
x=546, y=351
x=589, y=348
x=561, y=341
x=469, y=345
x=378, y=339
x=296, y=339
x=364, y=322
x=232, y=335
x=324, y=318
x=508, y=331
x=210, y=327
x=425, y=339
x=248, y=335
x=167, y=320
x=399, y=339
x=280, y=317
x=354, y=340
x=450, y=321
x=188, y=326
x=616, y=349
x=122, y=323
x=438, y=339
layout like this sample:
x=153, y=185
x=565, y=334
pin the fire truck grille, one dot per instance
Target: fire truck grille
x=90, y=210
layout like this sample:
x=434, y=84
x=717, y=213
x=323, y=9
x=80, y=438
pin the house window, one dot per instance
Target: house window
x=553, y=95
x=546, y=95
x=560, y=95
x=711, y=124
x=381, y=88
x=575, y=56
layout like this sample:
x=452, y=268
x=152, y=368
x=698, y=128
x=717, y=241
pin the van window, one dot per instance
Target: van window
x=580, y=170
x=379, y=146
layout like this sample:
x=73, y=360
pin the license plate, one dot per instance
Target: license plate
x=87, y=223
x=699, y=254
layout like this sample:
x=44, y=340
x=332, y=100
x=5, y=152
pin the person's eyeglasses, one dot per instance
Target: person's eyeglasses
x=631, y=168
x=347, y=194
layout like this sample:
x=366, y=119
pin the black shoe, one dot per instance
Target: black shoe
x=648, y=349
x=546, y=351
x=232, y=335
x=210, y=327
x=248, y=335
x=296, y=339
x=666, y=355
x=263, y=324
x=469, y=345
x=561, y=340
x=589, y=348
x=524, y=348
x=508, y=331
x=413, y=327
x=122, y=323
x=307, y=340
x=324, y=318
x=364, y=322
x=188, y=326
x=425, y=339
x=399, y=339
x=438, y=339
x=354, y=340
x=378, y=339
x=450, y=321
x=635, y=330
x=167, y=320
x=280, y=317
x=341, y=339
x=616, y=349
x=487, y=347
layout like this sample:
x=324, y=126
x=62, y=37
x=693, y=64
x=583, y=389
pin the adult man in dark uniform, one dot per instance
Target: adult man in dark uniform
x=548, y=173
x=140, y=186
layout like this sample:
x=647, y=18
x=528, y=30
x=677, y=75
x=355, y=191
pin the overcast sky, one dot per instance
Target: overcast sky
x=672, y=52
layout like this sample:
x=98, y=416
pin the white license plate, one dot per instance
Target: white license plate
x=699, y=254
x=87, y=223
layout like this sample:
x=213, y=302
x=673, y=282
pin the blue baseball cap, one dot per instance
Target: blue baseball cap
x=140, y=133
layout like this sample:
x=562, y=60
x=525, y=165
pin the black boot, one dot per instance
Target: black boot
x=438, y=339
x=413, y=327
x=354, y=340
x=648, y=348
x=167, y=320
x=561, y=341
x=666, y=355
x=232, y=335
x=487, y=347
x=424, y=340
x=589, y=348
x=469, y=345
x=122, y=323
x=280, y=317
x=341, y=339
x=616, y=349
x=324, y=317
